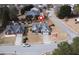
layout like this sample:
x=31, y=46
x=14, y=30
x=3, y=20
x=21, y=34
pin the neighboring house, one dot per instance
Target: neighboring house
x=14, y=28
x=17, y=30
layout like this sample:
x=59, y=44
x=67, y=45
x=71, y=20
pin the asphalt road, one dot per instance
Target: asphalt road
x=60, y=24
x=32, y=50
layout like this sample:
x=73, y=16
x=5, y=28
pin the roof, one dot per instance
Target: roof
x=14, y=28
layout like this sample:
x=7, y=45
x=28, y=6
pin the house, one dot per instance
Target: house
x=16, y=29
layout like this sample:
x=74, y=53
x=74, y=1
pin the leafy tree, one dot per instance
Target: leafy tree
x=76, y=9
x=1, y=16
x=13, y=12
x=5, y=16
x=65, y=11
x=75, y=45
x=68, y=49
x=63, y=49
x=57, y=52
x=26, y=8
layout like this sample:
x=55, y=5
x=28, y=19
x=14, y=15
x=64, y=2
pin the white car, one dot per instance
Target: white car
x=77, y=20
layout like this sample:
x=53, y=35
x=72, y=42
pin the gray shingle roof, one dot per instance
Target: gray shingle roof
x=14, y=28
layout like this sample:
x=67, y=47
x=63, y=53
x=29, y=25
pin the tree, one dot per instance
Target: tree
x=68, y=49
x=1, y=16
x=76, y=9
x=75, y=45
x=65, y=11
x=13, y=12
x=63, y=49
x=26, y=8
x=57, y=52
x=5, y=16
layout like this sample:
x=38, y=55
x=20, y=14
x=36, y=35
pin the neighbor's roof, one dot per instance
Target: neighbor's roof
x=14, y=29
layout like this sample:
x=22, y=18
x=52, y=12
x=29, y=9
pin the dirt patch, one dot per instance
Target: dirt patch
x=71, y=23
x=34, y=38
x=7, y=40
x=60, y=35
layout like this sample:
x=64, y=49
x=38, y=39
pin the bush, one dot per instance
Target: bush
x=60, y=16
x=65, y=48
x=24, y=40
x=65, y=11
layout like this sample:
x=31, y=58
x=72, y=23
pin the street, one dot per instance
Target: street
x=62, y=26
x=33, y=50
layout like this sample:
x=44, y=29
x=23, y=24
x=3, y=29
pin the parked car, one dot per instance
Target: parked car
x=77, y=21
